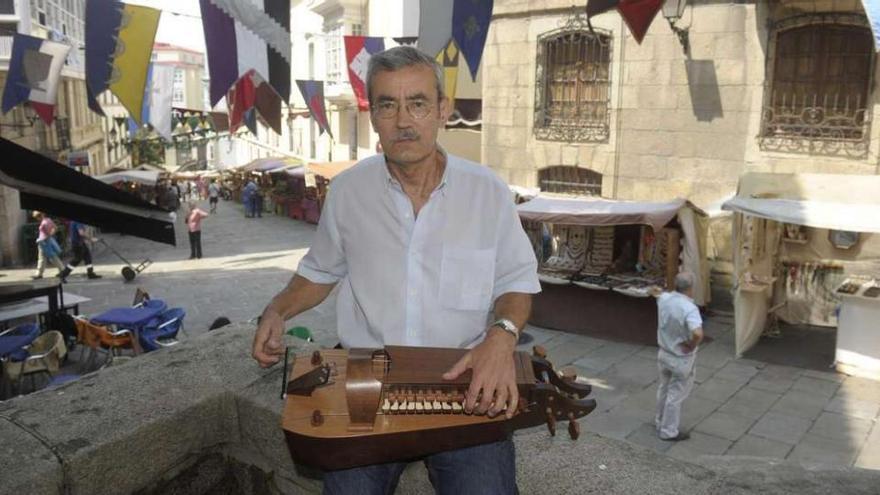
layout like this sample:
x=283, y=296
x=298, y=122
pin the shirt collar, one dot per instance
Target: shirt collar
x=391, y=181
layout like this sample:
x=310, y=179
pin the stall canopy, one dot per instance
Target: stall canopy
x=329, y=170
x=58, y=190
x=269, y=164
x=599, y=212
x=823, y=202
x=146, y=177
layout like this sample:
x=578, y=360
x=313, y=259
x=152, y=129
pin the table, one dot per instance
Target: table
x=858, y=338
x=38, y=306
x=17, y=291
x=130, y=319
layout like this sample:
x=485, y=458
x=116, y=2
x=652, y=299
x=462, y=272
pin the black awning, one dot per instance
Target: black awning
x=58, y=190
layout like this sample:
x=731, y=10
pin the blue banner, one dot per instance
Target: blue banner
x=470, y=27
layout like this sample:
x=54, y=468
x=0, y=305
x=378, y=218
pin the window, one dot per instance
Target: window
x=357, y=30
x=819, y=80
x=570, y=180
x=7, y=7
x=335, y=57
x=177, y=96
x=573, y=85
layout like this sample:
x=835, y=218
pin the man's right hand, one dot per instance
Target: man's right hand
x=268, y=347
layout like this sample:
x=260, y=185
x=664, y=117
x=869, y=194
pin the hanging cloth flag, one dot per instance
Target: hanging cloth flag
x=638, y=14
x=34, y=71
x=159, y=99
x=435, y=25
x=470, y=26
x=119, y=55
x=103, y=19
x=872, y=10
x=252, y=92
x=358, y=50
x=313, y=94
x=448, y=59
x=240, y=36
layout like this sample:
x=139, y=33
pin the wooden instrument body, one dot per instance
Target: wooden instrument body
x=347, y=422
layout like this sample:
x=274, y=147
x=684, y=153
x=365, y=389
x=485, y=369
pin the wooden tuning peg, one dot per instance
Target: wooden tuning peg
x=551, y=422
x=317, y=418
x=569, y=373
x=539, y=351
x=574, y=429
x=316, y=358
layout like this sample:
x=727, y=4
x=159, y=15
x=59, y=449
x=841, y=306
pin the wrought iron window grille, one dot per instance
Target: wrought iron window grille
x=573, y=83
x=569, y=180
x=817, y=92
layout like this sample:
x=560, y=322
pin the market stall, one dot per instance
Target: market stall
x=807, y=252
x=599, y=257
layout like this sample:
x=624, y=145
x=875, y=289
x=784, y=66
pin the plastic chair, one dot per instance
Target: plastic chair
x=162, y=331
x=14, y=340
x=43, y=356
x=100, y=338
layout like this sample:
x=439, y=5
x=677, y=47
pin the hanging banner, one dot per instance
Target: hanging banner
x=34, y=71
x=313, y=94
x=435, y=25
x=470, y=27
x=358, y=50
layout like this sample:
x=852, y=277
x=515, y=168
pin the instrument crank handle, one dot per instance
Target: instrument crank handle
x=543, y=368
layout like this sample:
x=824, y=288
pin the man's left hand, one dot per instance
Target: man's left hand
x=493, y=375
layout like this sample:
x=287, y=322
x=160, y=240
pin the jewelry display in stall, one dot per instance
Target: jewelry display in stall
x=569, y=257
x=600, y=252
x=817, y=284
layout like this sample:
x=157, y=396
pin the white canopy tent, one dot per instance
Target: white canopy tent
x=147, y=177
x=764, y=203
x=598, y=212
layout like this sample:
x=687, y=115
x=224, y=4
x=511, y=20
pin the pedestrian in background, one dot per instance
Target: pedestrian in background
x=79, y=235
x=247, y=197
x=194, y=225
x=48, y=248
x=258, y=201
x=213, y=195
x=679, y=332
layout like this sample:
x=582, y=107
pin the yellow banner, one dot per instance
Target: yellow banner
x=448, y=59
x=131, y=62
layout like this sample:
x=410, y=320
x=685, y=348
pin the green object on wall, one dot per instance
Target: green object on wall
x=301, y=333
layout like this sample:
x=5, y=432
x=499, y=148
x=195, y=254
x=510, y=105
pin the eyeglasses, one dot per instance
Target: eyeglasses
x=388, y=109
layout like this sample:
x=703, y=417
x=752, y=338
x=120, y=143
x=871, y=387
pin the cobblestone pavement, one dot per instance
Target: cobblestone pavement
x=741, y=411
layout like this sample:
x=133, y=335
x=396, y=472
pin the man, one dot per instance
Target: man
x=194, y=226
x=679, y=332
x=81, y=253
x=248, y=198
x=213, y=195
x=47, y=247
x=421, y=244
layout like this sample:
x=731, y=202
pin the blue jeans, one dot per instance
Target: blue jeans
x=488, y=469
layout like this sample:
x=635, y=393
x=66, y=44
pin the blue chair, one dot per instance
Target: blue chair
x=14, y=341
x=162, y=330
x=153, y=303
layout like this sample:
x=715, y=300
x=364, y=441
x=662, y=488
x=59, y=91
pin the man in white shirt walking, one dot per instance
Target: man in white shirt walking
x=679, y=332
x=427, y=248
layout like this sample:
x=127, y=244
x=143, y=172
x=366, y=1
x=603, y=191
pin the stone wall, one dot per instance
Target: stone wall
x=679, y=126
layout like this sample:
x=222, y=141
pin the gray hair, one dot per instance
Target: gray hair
x=684, y=281
x=398, y=58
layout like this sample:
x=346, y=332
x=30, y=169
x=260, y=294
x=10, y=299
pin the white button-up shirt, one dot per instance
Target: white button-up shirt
x=677, y=319
x=429, y=280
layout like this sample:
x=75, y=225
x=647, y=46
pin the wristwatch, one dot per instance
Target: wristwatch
x=507, y=326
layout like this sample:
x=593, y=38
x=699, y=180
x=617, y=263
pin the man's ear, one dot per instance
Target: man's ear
x=444, y=109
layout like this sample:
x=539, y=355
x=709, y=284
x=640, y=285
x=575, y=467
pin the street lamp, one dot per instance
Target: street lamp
x=672, y=11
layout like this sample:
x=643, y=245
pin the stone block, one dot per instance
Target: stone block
x=647, y=72
x=699, y=444
x=750, y=402
x=869, y=457
x=736, y=371
x=815, y=452
x=730, y=72
x=839, y=427
x=611, y=425
x=515, y=53
x=27, y=464
x=771, y=382
x=863, y=388
x=602, y=358
x=729, y=46
x=719, y=18
x=816, y=386
x=634, y=369
x=851, y=406
x=569, y=155
x=695, y=410
x=725, y=425
x=646, y=436
x=717, y=389
x=781, y=427
x=511, y=31
x=801, y=404
x=752, y=446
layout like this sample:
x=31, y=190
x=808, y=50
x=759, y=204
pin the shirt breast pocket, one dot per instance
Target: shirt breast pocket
x=467, y=277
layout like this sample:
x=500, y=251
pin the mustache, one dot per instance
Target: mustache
x=406, y=134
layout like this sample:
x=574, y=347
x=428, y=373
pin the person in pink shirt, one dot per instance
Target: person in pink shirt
x=48, y=248
x=194, y=225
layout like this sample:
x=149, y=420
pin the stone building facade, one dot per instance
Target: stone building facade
x=770, y=86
